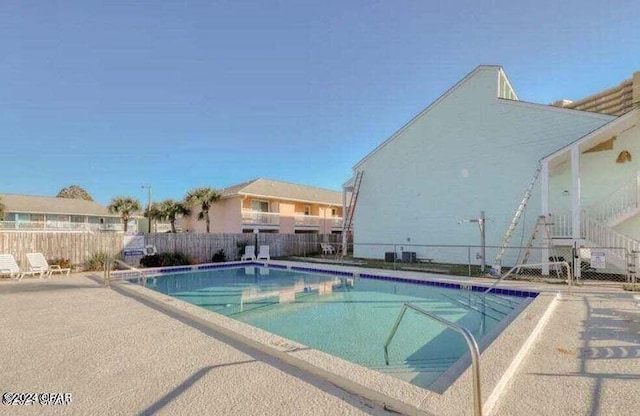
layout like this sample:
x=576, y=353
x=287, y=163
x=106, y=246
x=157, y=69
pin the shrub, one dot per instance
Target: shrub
x=241, y=245
x=150, y=261
x=165, y=260
x=63, y=263
x=95, y=262
x=219, y=257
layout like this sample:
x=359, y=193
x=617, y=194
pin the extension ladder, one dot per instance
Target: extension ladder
x=514, y=222
x=348, y=220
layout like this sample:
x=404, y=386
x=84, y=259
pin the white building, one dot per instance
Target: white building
x=476, y=148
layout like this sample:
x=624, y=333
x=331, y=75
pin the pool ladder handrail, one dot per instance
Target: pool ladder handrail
x=468, y=337
x=519, y=266
x=107, y=271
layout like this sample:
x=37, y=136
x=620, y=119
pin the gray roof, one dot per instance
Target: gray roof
x=269, y=188
x=52, y=205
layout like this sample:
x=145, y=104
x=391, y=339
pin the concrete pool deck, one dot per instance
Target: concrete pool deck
x=117, y=355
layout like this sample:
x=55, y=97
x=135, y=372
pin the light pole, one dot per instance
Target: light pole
x=481, y=223
x=148, y=188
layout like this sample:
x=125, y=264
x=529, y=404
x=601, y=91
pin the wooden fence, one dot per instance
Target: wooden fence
x=76, y=247
x=202, y=247
x=79, y=247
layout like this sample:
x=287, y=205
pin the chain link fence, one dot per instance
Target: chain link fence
x=596, y=264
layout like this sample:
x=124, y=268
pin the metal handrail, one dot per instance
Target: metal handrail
x=519, y=266
x=107, y=271
x=471, y=342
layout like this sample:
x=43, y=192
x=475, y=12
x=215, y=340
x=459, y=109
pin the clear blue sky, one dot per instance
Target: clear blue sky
x=179, y=94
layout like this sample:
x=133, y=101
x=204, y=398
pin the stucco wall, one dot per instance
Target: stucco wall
x=225, y=216
x=469, y=152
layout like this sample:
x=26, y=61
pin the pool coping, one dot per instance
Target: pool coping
x=499, y=360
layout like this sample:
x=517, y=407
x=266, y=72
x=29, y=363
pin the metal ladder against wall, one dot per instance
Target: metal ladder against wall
x=348, y=220
x=541, y=223
x=516, y=219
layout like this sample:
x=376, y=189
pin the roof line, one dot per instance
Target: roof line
x=586, y=137
x=423, y=112
x=558, y=109
x=288, y=199
x=247, y=183
x=62, y=213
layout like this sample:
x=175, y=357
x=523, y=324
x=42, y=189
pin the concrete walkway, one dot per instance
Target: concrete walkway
x=587, y=362
x=119, y=356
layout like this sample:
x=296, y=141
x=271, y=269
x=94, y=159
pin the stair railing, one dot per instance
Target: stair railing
x=619, y=202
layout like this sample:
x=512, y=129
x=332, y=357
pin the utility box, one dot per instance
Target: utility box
x=390, y=257
x=408, y=256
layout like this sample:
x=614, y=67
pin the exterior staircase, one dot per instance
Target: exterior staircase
x=620, y=205
x=598, y=220
x=612, y=242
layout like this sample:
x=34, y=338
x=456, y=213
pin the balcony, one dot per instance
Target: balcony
x=259, y=218
x=335, y=222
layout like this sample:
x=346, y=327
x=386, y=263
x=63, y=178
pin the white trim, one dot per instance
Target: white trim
x=506, y=78
x=544, y=210
x=575, y=193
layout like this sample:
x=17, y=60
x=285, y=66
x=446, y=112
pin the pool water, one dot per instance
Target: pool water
x=346, y=317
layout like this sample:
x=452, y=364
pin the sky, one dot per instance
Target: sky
x=180, y=94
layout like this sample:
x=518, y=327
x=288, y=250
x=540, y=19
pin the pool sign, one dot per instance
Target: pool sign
x=598, y=259
x=134, y=245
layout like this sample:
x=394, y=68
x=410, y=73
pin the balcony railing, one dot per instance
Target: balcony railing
x=336, y=222
x=561, y=225
x=260, y=218
x=57, y=226
x=622, y=201
x=307, y=221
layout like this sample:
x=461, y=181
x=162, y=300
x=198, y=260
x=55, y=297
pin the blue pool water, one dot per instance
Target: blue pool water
x=346, y=317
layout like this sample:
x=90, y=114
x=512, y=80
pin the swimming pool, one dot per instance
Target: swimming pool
x=350, y=317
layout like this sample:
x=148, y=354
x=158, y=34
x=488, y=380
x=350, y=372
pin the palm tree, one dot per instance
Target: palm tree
x=1, y=210
x=203, y=197
x=125, y=206
x=169, y=210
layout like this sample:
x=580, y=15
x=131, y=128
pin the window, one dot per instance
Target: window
x=307, y=210
x=334, y=212
x=261, y=206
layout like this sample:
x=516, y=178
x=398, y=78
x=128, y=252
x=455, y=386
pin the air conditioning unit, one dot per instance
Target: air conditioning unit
x=408, y=256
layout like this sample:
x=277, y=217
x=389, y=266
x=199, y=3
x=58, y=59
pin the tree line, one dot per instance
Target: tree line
x=168, y=210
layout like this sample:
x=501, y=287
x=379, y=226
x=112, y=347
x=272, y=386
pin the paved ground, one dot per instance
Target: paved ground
x=119, y=356
x=586, y=363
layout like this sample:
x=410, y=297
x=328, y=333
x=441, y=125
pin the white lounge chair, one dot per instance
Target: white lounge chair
x=8, y=266
x=264, y=253
x=37, y=263
x=327, y=249
x=249, y=253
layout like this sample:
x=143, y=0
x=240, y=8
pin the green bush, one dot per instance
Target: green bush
x=95, y=262
x=219, y=257
x=165, y=260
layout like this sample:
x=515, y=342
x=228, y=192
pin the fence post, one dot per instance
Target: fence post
x=469, y=259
